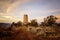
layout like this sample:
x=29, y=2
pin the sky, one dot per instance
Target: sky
x=14, y=10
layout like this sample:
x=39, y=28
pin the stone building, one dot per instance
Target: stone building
x=25, y=19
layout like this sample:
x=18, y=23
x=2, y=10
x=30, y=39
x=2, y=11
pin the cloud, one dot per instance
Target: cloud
x=9, y=19
x=7, y=6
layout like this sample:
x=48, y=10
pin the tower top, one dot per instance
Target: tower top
x=26, y=14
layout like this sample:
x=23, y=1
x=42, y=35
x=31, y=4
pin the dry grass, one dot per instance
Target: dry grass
x=22, y=34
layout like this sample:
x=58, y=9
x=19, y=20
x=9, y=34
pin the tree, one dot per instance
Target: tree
x=34, y=23
x=19, y=23
x=42, y=24
x=50, y=20
x=13, y=23
x=11, y=27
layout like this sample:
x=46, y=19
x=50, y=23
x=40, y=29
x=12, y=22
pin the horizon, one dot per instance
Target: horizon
x=13, y=10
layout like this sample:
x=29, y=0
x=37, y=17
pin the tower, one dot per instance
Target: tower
x=25, y=19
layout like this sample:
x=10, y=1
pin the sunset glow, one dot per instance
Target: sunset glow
x=13, y=10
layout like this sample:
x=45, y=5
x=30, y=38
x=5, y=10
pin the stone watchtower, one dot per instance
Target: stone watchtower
x=25, y=19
